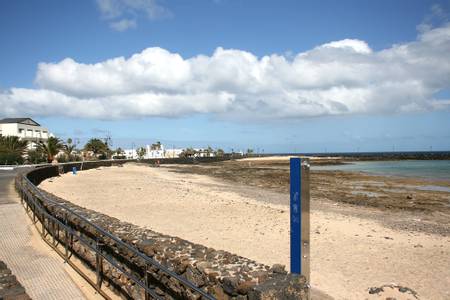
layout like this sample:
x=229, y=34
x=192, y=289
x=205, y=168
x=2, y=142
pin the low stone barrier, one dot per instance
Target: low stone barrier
x=10, y=288
x=219, y=273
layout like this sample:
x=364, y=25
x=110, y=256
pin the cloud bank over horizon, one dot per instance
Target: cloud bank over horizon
x=337, y=78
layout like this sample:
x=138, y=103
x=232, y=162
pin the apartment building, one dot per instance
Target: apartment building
x=25, y=128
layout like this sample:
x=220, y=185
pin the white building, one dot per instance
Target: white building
x=149, y=152
x=130, y=153
x=154, y=153
x=25, y=129
x=200, y=152
x=173, y=153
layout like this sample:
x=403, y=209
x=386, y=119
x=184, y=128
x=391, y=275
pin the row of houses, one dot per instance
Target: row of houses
x=30, y=130
x=163, y=152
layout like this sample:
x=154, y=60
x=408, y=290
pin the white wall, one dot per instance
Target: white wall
x=31, y=133
x=24, y=131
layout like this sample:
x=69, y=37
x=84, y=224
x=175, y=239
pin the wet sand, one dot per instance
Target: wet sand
x=353, y=248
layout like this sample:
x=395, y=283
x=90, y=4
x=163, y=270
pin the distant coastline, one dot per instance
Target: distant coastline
x=400, y=155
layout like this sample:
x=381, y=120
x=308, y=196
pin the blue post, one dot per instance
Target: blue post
x=74, y=170
x=296, y=214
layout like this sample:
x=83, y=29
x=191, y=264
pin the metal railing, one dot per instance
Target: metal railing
x=33, y=198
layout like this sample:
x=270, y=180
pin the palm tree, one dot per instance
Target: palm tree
x=188, y=152
x=209, y=151
x=119, y=151
x=12, y=149
x=69, y=147
x=141, y=152
x=50, y=148
x=13, y=144
x=220, y=153
x=156, y=146
x=97, y=146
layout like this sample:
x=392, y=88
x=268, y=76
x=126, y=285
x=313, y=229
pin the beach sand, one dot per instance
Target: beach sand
x=350, y=251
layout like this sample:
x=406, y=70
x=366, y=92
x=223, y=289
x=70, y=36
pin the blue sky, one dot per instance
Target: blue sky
x=226, y=106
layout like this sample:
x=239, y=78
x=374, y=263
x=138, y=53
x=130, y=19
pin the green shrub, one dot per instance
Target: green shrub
x=62, y=158
x=36, y=157
x=10, y=158
x=74, y=157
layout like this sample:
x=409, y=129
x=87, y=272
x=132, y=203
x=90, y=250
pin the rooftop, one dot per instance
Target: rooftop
x=26, y=121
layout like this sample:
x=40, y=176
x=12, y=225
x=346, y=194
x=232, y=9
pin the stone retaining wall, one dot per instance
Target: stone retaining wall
x=220, y=273
x=10, y=288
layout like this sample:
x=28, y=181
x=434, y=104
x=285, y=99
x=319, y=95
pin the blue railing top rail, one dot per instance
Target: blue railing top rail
x=117, y=240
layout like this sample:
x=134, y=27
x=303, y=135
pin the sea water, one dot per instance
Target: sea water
x=429, y=169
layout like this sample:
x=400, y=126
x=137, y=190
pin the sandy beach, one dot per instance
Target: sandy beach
x=353, y=248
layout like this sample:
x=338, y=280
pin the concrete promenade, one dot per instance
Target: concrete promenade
x=40, y=270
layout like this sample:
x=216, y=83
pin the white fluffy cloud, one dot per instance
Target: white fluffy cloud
x=340, y=77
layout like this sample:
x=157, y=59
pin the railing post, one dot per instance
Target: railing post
x=66, y=238
x=53, y=232
x=58, y=238
x=299, y=216
x=34, y=213
x=43, y=225
x=147, y=282
x=99, y=263
x=71, y=243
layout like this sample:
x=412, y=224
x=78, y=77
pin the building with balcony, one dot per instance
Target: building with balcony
x=25, y=129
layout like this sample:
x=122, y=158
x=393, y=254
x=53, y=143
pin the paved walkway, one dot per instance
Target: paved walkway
x=37, y=268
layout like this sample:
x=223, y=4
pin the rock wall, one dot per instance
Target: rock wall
x=220, y=273
x=10, y=288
